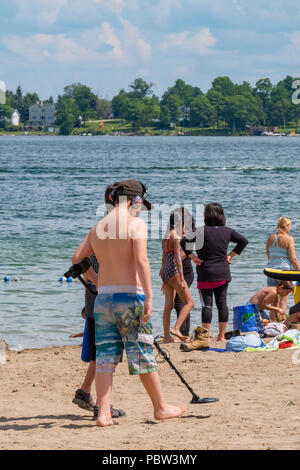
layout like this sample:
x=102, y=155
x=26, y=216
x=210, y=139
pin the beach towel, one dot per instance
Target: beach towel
x=290, y=335
x=240, y=343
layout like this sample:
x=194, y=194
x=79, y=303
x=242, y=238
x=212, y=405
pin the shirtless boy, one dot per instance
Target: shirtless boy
x=123, y=306
x=268, y=298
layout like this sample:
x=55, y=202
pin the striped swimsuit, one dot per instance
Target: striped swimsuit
x=170, y=268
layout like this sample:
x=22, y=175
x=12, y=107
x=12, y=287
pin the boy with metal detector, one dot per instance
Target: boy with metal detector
x=124, y=303
x=123, y=306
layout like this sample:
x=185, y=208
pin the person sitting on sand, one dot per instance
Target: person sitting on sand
x=172, y=274
x=123, y=306
x=268, y=298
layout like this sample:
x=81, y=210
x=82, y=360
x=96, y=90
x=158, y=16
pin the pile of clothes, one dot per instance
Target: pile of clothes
x=252, y=342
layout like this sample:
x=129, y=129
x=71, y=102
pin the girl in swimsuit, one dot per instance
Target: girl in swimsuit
x=172, y=276
x=281, y=252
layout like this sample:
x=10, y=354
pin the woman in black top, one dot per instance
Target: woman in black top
x=213, y=275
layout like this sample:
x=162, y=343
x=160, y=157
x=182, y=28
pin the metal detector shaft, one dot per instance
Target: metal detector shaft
x=165, y=356
x=86, y=285
x=195, y=398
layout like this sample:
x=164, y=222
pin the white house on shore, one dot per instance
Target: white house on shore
x=15, y=118
x=42, y=115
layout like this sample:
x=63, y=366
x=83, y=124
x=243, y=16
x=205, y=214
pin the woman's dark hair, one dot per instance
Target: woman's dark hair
x=214, y=214
x=182, y=216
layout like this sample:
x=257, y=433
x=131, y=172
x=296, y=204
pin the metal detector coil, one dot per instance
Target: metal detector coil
x=196, y=400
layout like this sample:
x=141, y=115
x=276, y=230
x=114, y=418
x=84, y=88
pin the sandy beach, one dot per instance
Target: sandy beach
x=259, y=405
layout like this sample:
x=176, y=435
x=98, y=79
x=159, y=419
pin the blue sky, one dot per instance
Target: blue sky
x=106, y=44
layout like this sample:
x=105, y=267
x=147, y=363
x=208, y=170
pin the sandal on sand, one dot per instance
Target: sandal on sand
x=230, y=334
x=180, y=336
x=114, y=412
x=83, y=400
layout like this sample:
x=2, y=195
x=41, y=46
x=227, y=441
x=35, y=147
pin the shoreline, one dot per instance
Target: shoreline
x=142, y=135
x=37, y=411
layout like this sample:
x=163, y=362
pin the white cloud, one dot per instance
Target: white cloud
x=105, y=44
x=107, y=36
x=199, y=43
x=133, y=39
x=44, y=12
x=288, y=54
x=294, y=46
x=46, y=47
x=161, y=10
x=238, y=7
x=182, y=71
x=114, y=5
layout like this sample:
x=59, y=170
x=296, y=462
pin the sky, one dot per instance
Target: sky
x=106, y=44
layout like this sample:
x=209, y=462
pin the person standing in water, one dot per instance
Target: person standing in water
x=123, y=306
x=281, y=253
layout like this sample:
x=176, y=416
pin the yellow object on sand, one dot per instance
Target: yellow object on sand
x=297, y=294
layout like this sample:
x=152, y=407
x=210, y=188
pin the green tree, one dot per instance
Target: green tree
x=5, y=113
x=224, y=86
x=178, y=96
x=28, y=100
x=217, y=100
x=263, y=89
x=117, y=103
x=281, y=105
x=241, y=111
x=102, y=108
x=84, y=98
x=66, y=114
x=9, y=97
x=202, y=111
x=140, y=88
x=141, y=112
x=18, y=101
x=165, y=116
x=173, y=104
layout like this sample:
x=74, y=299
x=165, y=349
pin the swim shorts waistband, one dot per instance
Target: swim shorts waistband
x=121, y=289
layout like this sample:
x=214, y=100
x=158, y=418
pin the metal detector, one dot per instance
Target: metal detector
x=196, y=400
x=75, y=272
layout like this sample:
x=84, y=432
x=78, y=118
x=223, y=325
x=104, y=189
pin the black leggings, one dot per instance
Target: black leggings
x=206, y=297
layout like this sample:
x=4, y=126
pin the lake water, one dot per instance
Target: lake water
x=51, y=187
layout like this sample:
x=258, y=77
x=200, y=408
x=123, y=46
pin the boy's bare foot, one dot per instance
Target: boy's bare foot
x=169, y=412
x=104, y=420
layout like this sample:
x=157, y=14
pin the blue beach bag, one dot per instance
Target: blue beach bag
x=85, y=350
x=246, y=317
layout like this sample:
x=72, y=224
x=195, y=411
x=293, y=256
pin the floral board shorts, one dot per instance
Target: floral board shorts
x=118, y=325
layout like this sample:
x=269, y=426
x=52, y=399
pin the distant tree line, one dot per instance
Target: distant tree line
x=225, y=104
